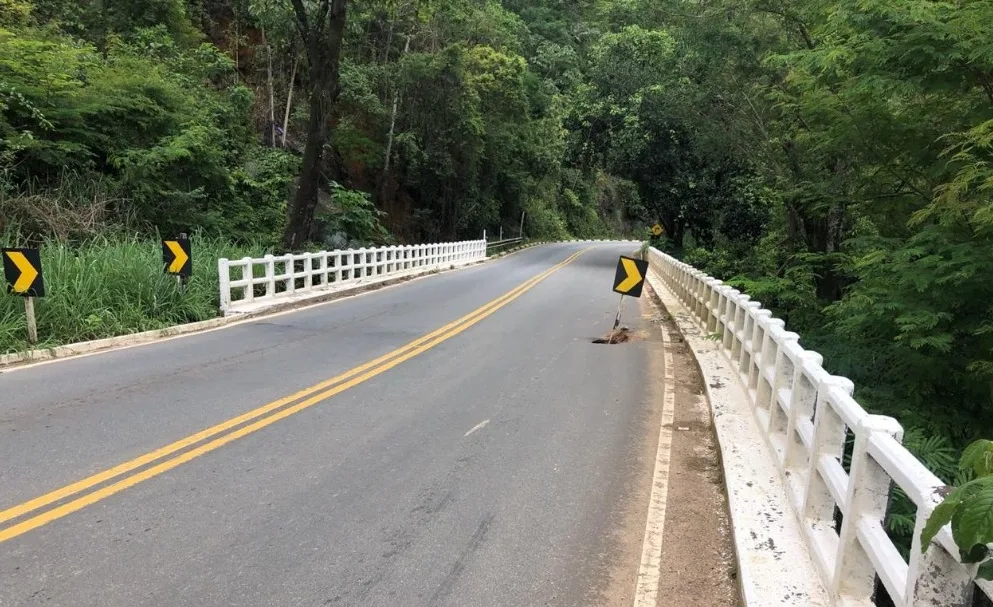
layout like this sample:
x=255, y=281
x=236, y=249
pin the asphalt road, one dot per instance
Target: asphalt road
x=500, y=463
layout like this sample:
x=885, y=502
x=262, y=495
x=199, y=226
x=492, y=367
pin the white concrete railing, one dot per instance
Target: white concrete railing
x=286, y=276
x=805, y=415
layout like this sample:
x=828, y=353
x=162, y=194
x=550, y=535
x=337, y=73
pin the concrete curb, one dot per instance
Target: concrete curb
x=8, y=361
x=774, y=566
x=85, y=347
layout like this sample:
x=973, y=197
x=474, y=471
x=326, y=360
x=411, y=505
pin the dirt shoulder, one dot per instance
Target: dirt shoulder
x=698, y=562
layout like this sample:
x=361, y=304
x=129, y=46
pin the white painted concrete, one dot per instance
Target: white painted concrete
x=308, y=275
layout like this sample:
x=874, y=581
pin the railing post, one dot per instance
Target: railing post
x=730, y=319
x=740, y=322
x=713, y=298
x=700, y=295
x=308, y=271
x=224, y=275
x=764, y=349
x=289, y=266
x=803, y=403
x=828, y=439
x=248, y=275
x=323, y=268
x=868, y=497
x=752, y=340
x=782, y=377
x=359, y=271
x=935, y=577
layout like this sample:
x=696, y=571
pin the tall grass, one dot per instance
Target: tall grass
x=114, y=285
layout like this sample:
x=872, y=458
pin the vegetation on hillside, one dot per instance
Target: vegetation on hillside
x=252, y=119
x=843, y=152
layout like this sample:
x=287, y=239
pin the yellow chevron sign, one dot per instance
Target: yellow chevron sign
x=630, y=277
x=22, y=267
x=176, y=256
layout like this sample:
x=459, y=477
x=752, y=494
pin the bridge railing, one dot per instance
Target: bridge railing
x=807, y=417
x=257, y=280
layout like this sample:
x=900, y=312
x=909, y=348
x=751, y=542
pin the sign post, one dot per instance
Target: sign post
x=32, y=323
x=22, y=269
x=629, y=280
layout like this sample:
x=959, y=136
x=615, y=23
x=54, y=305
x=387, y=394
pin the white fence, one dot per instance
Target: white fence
x=806, y=415
x=274, y=278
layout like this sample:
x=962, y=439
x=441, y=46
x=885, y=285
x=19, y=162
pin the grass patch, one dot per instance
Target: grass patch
x=112, y=286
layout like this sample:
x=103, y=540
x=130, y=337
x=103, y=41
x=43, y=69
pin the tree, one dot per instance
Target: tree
x=322, y=31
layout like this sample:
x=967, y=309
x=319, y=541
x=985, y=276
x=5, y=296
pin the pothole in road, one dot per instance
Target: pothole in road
x=620, y=336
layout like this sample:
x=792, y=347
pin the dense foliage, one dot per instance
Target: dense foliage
x=831, y=158
x=215, y=114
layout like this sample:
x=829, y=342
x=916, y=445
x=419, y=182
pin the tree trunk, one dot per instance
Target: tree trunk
x=678, y=235
x=323, y=40
x=237, y=47
x=308, y=188
x=272, y=93
x=289, y=101
x=393, y=122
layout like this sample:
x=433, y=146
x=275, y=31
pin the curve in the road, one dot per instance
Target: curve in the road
x=264, y=416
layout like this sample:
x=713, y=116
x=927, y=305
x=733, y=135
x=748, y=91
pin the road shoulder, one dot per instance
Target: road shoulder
x=698, y=562
x=773, y=564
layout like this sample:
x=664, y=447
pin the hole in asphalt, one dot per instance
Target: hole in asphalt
x=621, y=336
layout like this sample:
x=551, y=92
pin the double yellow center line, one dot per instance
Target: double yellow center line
x=180, y=452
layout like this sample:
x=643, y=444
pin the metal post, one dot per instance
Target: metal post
x=501, y=232
x=183, y=279
x=32, y=323
x=617, y=320
x=522, y=224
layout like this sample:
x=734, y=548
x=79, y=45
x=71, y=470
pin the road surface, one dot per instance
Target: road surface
x=336, y=456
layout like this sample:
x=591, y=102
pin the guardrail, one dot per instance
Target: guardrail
x=504, y=243
x=805, y=415
x=273, y=278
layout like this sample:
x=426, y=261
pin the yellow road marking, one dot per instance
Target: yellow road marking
x=316, y=394
x=148, y=458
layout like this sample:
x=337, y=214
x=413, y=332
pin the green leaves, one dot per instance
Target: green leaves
x=978, y=458
x=969, y=509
